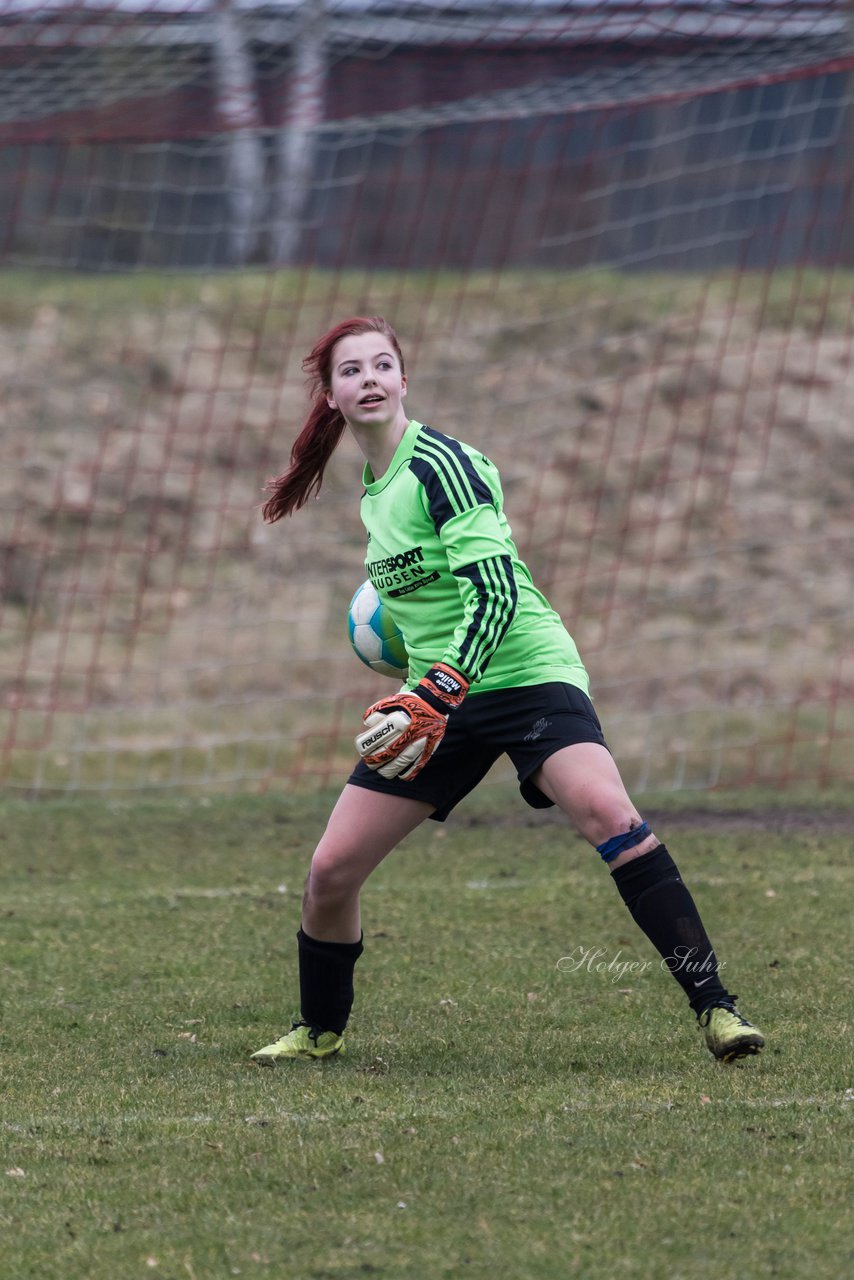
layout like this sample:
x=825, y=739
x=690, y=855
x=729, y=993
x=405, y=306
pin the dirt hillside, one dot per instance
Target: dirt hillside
x=679, y=477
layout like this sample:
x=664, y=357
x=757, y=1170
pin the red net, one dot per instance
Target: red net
x=615, y=239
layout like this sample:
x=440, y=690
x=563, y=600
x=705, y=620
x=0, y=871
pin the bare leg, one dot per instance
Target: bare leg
x=363, y=829
x=585, y=783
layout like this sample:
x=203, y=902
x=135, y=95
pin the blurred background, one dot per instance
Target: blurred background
x=616, y=242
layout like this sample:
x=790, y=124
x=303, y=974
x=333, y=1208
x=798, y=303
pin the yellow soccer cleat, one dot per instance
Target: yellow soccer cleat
x=302, y=1041
x=729, y=1035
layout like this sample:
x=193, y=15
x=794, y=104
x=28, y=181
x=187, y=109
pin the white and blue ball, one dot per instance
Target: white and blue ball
x=374, y=635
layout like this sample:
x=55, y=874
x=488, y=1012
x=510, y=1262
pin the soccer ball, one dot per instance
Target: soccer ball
x=374, y=636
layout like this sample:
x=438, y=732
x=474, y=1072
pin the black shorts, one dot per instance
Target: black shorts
x=528, y=724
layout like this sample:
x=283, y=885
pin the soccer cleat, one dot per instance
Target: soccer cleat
x=728, y=1034
x=302, y=1041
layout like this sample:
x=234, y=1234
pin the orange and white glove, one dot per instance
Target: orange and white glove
x=403, y=731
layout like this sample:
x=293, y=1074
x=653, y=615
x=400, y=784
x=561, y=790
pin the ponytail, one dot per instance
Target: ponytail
x=323, y=427
x=311, y=451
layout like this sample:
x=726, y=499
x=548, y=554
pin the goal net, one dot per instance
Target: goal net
x=616, y=242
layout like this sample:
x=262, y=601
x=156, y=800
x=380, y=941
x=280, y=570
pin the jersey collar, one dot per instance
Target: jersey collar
x=399, y=457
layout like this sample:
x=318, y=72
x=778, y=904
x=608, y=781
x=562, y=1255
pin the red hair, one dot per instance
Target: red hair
x=324, y=427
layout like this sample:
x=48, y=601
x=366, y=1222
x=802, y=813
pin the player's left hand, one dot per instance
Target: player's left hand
x=404, y=730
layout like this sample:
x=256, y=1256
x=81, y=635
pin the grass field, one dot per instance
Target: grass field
x=496, y=1113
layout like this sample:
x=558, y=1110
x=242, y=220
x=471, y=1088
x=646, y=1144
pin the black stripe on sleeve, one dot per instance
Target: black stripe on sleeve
x=450, y=478
x=497, y=595
x=438, y=502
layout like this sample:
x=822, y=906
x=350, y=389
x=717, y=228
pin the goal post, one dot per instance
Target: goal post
x=615, y=240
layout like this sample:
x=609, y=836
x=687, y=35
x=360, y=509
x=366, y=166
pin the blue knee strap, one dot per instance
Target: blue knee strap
x=611, y=848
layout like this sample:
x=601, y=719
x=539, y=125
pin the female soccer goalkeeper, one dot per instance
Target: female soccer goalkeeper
x=491, y=670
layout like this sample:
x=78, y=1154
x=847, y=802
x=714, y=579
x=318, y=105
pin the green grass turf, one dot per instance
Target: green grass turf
x=494, y=1114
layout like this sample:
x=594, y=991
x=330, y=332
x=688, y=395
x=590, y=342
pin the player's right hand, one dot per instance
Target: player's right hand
x=401, y=733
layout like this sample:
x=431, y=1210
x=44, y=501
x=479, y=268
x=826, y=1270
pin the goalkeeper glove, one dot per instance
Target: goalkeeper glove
x=404, y=730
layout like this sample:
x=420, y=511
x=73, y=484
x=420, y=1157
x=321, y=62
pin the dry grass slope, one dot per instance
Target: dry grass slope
x=677, y=464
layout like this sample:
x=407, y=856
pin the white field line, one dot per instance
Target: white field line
x=834, y=1100
x=235, y=891
x=33, y=1124
x=820, y=1100
x=59, y=897
x=801, y=883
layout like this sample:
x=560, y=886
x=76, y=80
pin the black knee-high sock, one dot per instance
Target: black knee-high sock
x=326, y=981
x=662, y=907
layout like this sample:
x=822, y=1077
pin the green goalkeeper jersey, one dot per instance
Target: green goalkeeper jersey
x=442, y=559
